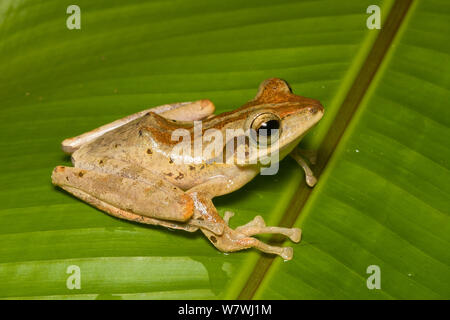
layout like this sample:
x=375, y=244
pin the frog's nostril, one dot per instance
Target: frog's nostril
x=315, y=109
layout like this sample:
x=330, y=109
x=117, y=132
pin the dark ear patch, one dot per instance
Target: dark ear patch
x=271, y=90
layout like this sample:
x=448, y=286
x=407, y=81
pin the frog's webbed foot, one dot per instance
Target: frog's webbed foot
x=299, y=156
x=241, y=237
x=258, y=226
x=134, y=200
x=184, y=111
x=122, y=197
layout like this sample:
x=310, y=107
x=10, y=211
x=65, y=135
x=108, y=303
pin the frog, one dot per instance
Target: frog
x=126, y=168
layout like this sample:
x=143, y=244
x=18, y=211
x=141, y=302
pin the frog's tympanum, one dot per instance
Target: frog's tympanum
x=125, y=168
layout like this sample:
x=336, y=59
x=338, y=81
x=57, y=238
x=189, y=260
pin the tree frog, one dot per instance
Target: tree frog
x=125, y=168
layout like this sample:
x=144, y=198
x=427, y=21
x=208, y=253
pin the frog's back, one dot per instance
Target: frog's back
x=127, y=141
x=146, y=143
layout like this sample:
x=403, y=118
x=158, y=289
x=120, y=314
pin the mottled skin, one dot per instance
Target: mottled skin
x=127, y=169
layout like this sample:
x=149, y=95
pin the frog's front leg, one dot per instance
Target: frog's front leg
x=299, y=156
x=258, y=226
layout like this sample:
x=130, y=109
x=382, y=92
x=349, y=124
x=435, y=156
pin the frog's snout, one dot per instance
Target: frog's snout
x=317, y=108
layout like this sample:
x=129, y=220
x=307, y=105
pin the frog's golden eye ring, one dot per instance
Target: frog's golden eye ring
x=265, y=128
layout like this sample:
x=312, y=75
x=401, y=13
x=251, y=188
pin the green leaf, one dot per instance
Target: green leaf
x=385, y=205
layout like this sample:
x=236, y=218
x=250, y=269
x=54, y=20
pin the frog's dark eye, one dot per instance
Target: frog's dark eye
x=264, y=126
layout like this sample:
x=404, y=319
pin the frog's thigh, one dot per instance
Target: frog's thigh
x=154, y=199
x=185, y=111
x=127, y=215
x=120, y=168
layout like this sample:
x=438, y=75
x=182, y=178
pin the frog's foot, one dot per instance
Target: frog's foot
x=248, y=242
x=258, y=226
x=232, y=240
x=299, y=156
x=240, y=238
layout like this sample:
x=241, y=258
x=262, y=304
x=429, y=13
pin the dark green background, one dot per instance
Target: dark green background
x=383, y=198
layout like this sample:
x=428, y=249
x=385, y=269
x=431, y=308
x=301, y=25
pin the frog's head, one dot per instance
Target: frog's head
x=276, y=107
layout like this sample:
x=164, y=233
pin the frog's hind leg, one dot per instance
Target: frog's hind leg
x=151, y=201
x=155, y=198
x=239, y=239
x=299, y=156
x=127, y=215
x=183, y=111
x=248, y=242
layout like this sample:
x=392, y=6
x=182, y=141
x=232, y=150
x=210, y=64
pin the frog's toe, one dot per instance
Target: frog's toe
x=239, y=243
x=227, y=216
x=311, y=180
x=296, y=235
x=258, y=226
x=287, y=253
